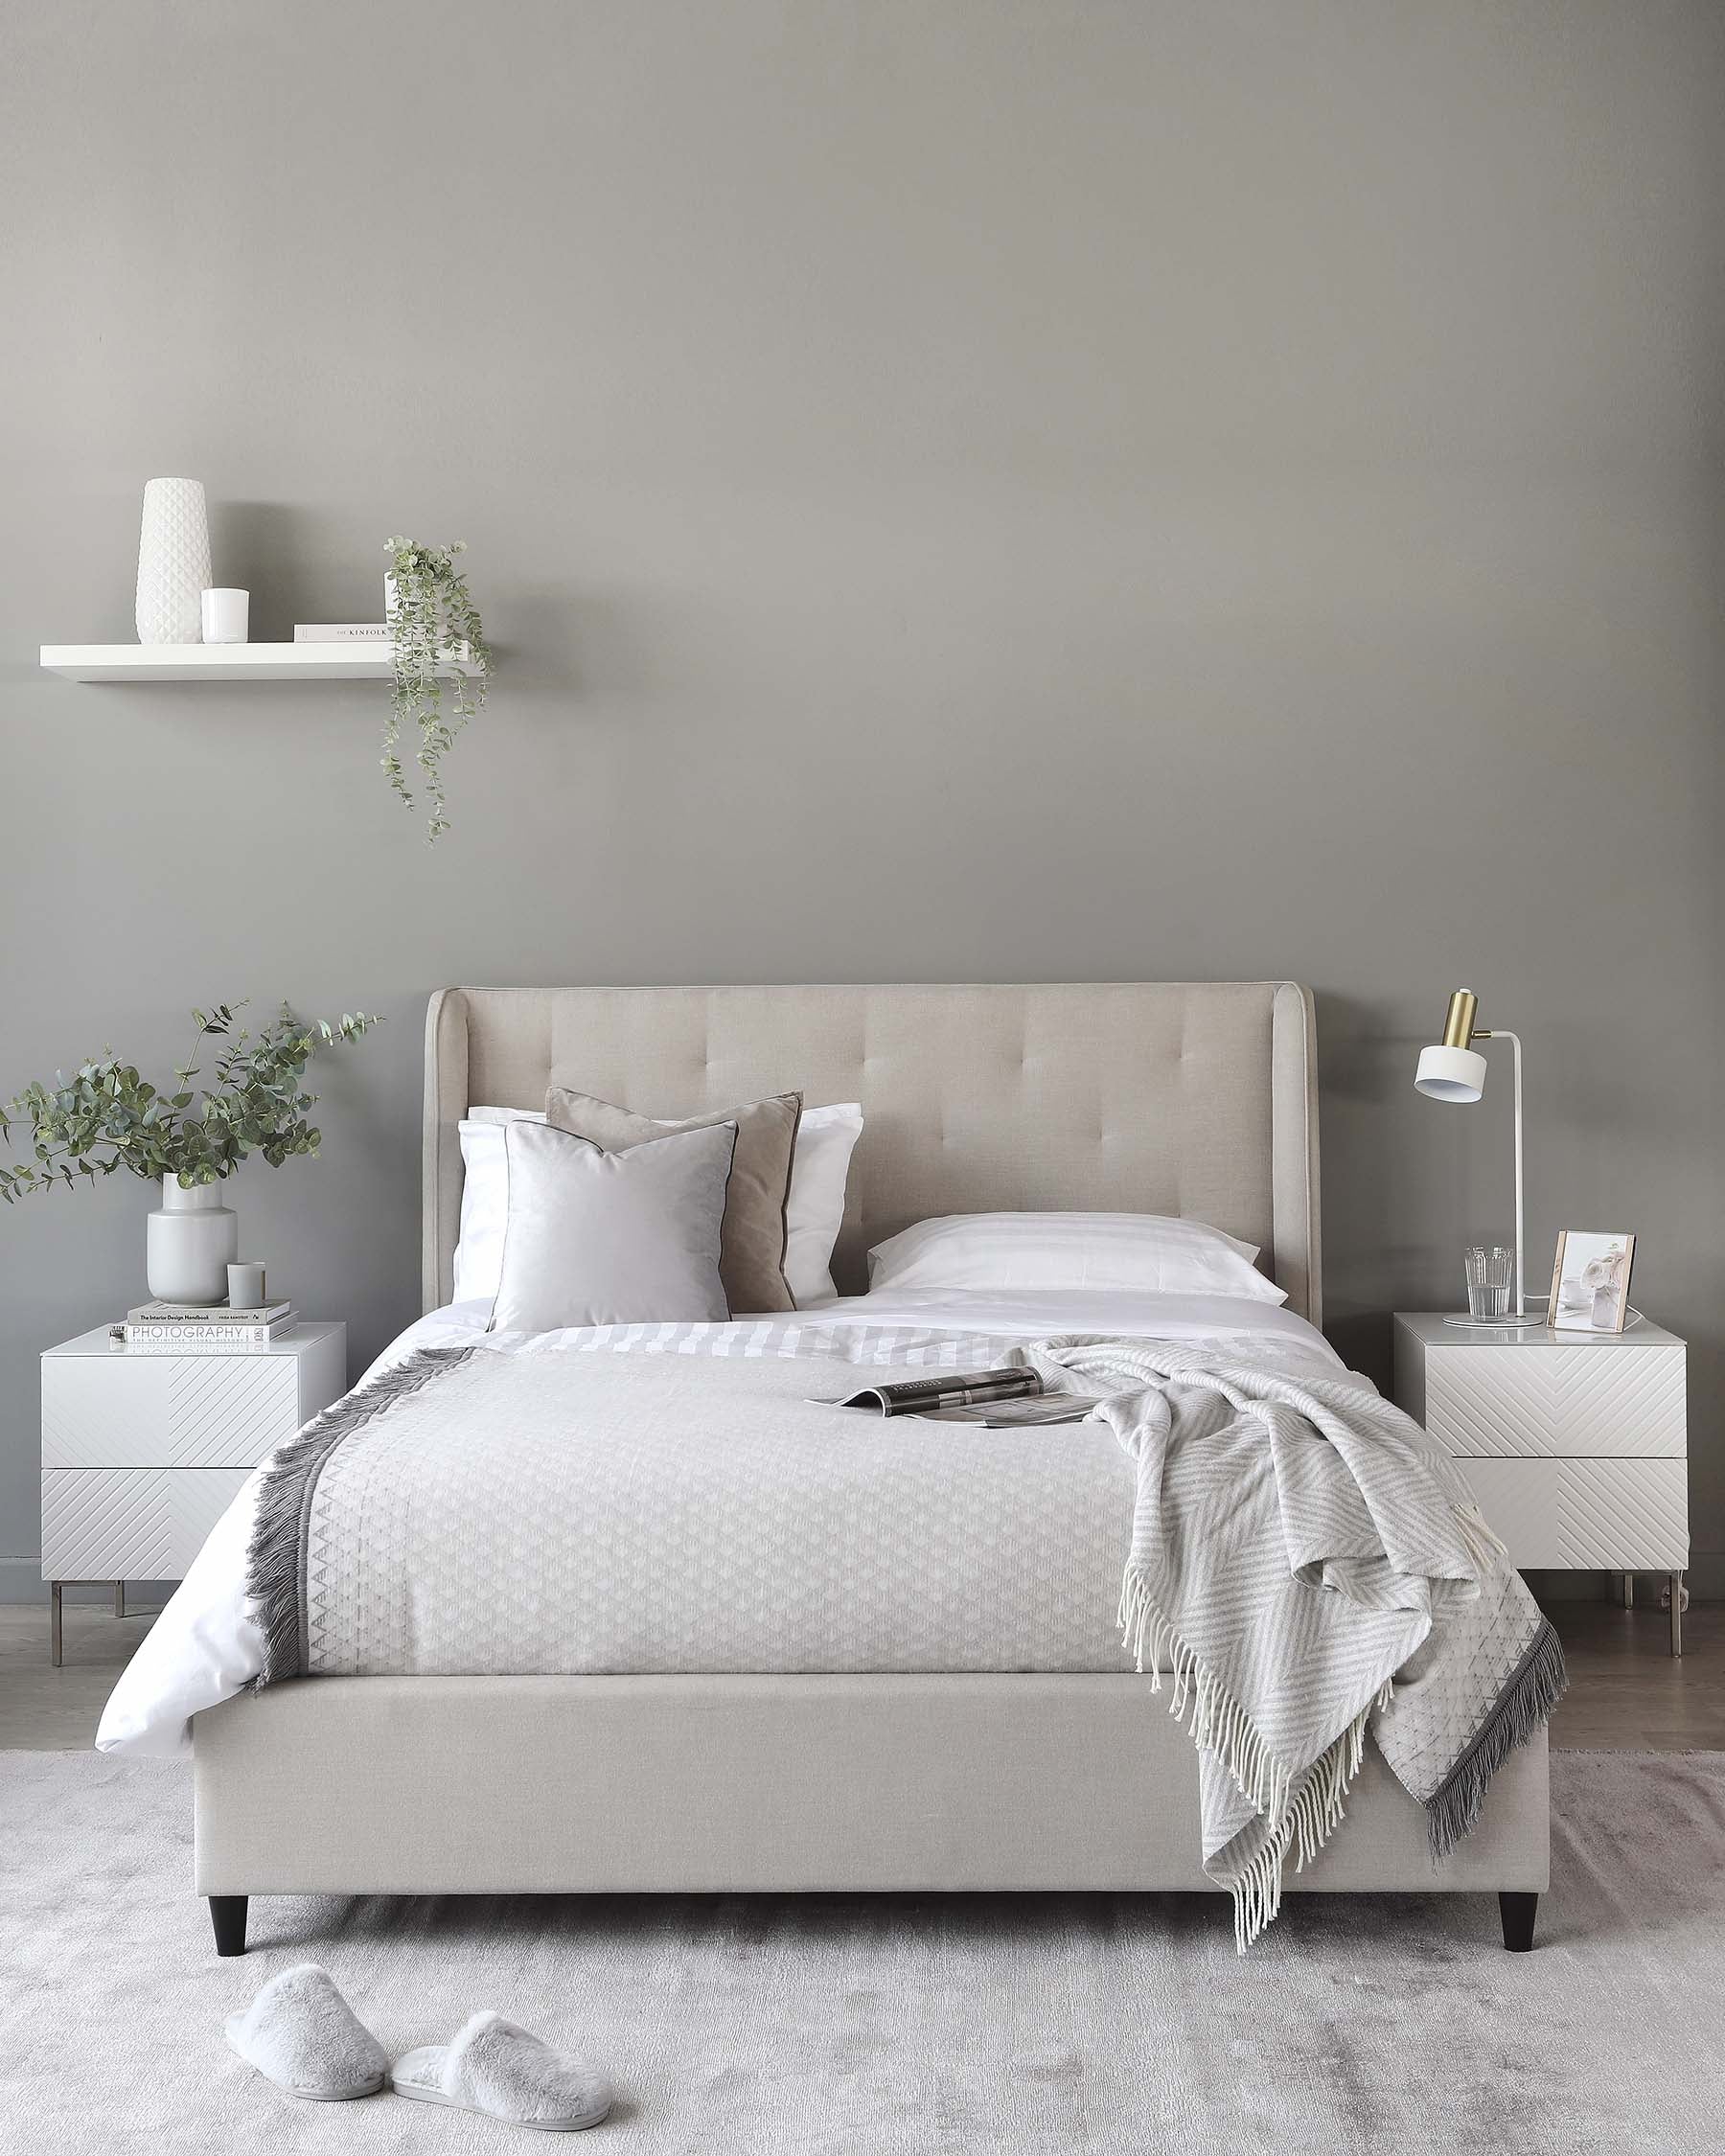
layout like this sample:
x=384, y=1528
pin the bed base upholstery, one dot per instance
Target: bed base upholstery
x=771, y=1784
x=1196, y=1099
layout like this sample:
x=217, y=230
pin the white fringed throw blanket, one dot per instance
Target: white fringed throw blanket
x=1309, y=1567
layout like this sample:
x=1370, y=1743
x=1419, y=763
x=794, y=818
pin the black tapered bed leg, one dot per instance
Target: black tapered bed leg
x=227, y=1912
x=1518, y=1911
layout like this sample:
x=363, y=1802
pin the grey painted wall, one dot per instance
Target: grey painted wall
x=1012, y=489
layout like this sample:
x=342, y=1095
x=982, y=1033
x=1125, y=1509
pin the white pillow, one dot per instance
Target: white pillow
x=813, y=1209
x=1142, y=1251
x=484, y=1200
x=598, y=1238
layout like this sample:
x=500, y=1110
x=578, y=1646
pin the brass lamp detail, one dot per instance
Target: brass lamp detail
x=1459, y=1018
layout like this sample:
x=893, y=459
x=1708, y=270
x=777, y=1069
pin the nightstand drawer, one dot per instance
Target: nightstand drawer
x=166, y=1410
x=131, y=1523
x=1557, y=1403
x=1615, y=1515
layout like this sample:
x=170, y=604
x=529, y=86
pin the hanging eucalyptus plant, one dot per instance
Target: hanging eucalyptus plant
x=434, y=622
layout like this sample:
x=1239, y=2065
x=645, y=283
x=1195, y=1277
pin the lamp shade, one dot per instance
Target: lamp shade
x=1450, y=1074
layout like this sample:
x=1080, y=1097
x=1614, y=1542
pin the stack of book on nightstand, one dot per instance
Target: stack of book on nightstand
x=182, y=1328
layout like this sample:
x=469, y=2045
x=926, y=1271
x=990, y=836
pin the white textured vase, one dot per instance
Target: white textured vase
x=174, y=562
x=190, y=1242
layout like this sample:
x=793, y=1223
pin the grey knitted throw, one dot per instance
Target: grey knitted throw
x=1310, y=1568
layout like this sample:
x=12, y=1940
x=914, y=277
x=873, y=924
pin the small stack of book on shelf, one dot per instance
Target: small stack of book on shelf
x=340, y=632
x=181, y=1329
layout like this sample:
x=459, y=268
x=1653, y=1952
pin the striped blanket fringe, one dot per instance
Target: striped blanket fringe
x=1523, y=1706
x=1301, y=1812
x=274, y=1553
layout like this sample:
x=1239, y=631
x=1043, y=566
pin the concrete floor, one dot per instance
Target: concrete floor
x=1626, y=1694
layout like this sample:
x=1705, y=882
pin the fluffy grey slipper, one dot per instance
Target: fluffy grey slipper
x=495, y=2068
x=302, y=2035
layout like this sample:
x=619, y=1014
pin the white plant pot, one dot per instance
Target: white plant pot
x=190, y=1244
x=174, y=562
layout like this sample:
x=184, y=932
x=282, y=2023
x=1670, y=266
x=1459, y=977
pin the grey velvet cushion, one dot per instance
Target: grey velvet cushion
x=752, y=1255
x=597, y=1238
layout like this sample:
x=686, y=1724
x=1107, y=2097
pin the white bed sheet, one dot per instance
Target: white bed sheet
x=206, y=1647
x=1230, y=1321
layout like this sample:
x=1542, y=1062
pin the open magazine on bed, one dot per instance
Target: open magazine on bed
x=997, y=1398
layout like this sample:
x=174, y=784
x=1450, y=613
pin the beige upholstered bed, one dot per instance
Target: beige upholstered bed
x=1192, y=1100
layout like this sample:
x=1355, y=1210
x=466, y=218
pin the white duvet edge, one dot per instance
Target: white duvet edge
x=206, y=1646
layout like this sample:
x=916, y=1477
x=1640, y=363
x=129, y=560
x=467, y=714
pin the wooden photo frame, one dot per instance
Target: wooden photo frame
x=1589, y=1282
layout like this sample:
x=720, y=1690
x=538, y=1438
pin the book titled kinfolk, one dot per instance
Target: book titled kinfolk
x=340, y=632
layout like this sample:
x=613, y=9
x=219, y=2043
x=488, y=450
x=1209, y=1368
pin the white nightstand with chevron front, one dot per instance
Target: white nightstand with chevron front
x=1576, y=1444
x=142, y=1452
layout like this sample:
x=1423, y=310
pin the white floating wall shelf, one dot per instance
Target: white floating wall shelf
x=370, y=659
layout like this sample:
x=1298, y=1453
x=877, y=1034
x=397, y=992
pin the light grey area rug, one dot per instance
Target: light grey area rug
x=915, y=2022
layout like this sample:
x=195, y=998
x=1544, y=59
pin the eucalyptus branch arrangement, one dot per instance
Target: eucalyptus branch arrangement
x=105, y=1116
x=433, y=620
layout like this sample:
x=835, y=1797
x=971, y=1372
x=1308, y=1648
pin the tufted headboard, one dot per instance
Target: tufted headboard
x=1195, y=1098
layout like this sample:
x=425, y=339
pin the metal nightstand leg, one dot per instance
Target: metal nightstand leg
x=119, y=1598
x=1677, y=1613
x=54, y=1622
x=1628, y=1590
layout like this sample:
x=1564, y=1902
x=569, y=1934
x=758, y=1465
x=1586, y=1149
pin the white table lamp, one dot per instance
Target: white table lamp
x=1454, y=1070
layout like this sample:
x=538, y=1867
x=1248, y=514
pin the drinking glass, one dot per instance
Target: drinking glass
x=1489, y=1270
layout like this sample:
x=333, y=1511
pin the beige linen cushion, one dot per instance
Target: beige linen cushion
x=597, y=1238
x=751, y=1258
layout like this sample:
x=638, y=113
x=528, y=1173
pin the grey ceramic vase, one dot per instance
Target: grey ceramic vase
x=190, y=1242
